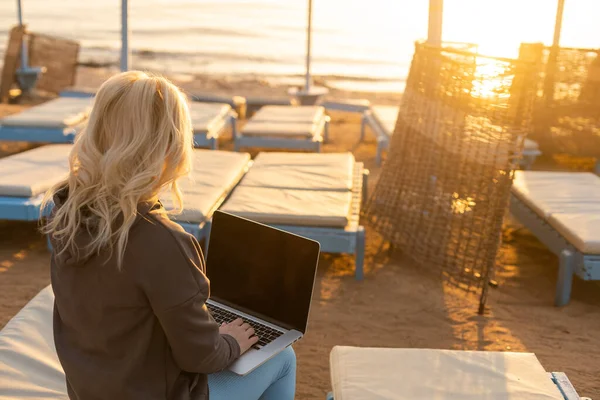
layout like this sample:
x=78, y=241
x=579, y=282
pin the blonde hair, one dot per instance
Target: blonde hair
x=137, y=142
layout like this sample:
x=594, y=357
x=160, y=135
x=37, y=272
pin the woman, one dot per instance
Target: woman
x=130, y=320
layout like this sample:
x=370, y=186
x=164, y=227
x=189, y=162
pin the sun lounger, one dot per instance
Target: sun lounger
x=209, y=120
x=78, y=92
x=531, y=151
x=255, y=103
x=285, y=127
x=313, y=195
x=562, y=209
x=56, y=121
x=214, y=175
x=25, y=177
x=29, y=366
x=382, y=120
x=238, y=103
x=347, y=105
x=386, y=374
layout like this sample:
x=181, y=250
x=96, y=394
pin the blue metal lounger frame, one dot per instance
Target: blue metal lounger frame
x=311, y=144
x=39, y=134
x=20, y=208
x=202, y=139
x=383, y=138
x=571, y=261
x=558, y=378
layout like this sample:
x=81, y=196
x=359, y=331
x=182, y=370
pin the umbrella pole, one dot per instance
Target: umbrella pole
x=23, y=45
x=125, y=55
x=553, y=56
x=308, y=47
x=434, y=31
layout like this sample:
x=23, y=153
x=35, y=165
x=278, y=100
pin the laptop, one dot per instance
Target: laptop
x=263, y=275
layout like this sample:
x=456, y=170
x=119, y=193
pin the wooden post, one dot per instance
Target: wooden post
x=11, y=61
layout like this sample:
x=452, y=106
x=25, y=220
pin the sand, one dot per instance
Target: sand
x=398, y=304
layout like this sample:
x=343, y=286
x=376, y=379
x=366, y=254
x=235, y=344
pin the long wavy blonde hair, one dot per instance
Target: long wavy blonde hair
x=137, y=143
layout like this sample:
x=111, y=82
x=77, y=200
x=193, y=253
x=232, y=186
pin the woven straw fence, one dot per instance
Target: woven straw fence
x=567, y=108
x=443, y=190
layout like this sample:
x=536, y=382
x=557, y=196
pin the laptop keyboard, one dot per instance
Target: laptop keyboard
x=265, y=333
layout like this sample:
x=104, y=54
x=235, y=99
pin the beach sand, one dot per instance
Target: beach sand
x=398, y=304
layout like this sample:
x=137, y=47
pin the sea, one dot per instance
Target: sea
x=356, y=44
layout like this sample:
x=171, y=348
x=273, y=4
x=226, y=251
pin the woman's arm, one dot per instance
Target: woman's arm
x=177, y=289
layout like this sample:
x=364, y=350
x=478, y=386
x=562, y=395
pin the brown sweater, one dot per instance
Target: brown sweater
x=143, y=332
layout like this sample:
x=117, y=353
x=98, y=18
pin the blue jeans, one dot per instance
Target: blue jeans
x=274, y=380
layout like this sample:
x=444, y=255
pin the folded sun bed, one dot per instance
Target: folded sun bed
x=214, y=175
x=56, y=121
x=26, y=176
x=562, y=209
x=313, y=195
x=209, y=120
x=397, y=374
x=382, y=121
x=285, y=127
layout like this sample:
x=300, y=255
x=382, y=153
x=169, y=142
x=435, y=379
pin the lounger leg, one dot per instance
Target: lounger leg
x=565, y=278
x=359, y=256
x=379, y=155
x=206, y=234
x=326, y=130
x=363, y=127
x=233, y=122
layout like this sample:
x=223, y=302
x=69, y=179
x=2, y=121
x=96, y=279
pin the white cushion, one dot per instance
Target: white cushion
x=291, y=207
x=569, y=201
x=310, y=171
x=29, y=366
x=348, y=105
x=396, y=374
x=213, y=175
x=208, y=116
x=530, y=145
x=581, y=228
x=60, y=113
x=32, y=172
x=387, y=117
x=286, y=121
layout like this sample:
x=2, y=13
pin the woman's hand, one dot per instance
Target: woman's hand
x=242, y=332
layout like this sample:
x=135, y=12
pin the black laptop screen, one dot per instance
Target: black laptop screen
x=262, y=271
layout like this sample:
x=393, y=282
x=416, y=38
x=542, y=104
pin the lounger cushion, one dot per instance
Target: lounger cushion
x=530, y=145
x=548, y=193
x=386, y=374
x=569, y=201
x=291, y=207
x=348, y=105
x=286, y=121
x=309, y=171
x=64, y=112
x=581, y=228
x=207, y=117
x=387, y=117
x=213, y=176
x=29, y=366
x=34, y=171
